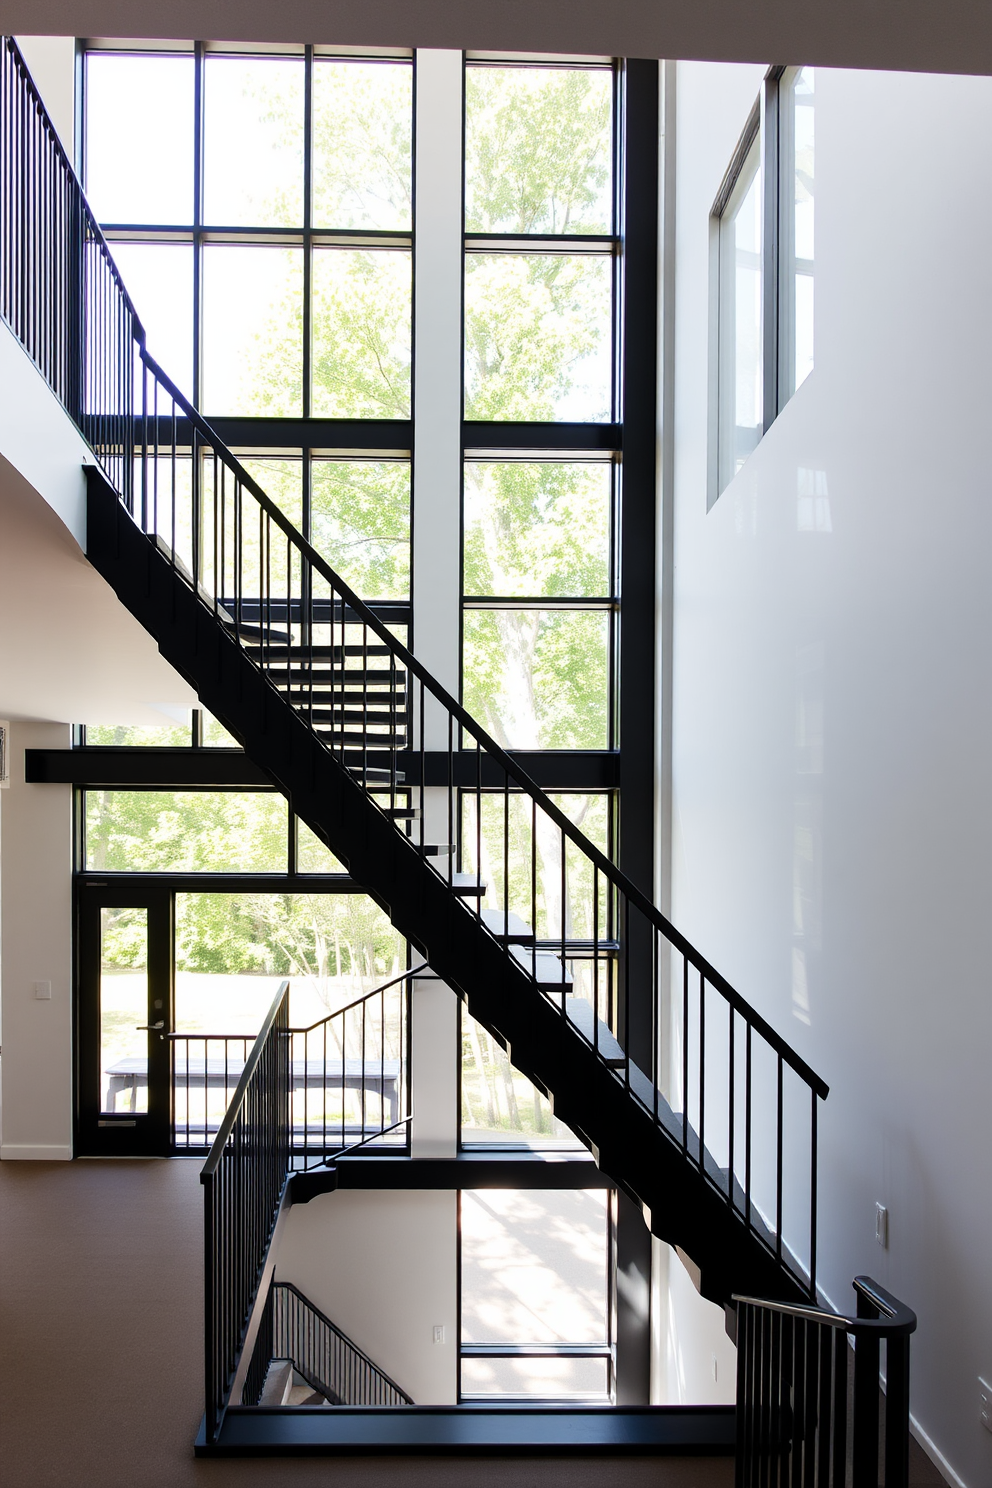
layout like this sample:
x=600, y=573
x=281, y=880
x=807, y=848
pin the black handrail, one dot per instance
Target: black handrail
x=717, y=1080
x=372, y=1037
x=243, y=1180
x=521, y=780
x=330, y=1361
x=798, y=1421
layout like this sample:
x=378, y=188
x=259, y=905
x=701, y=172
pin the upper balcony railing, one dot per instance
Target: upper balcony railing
x=719, y=1082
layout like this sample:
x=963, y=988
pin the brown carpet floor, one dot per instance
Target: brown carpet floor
x=101, y=1365
x=100, y=1352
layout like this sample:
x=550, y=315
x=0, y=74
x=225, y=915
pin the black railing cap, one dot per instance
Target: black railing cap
x=897, y=1319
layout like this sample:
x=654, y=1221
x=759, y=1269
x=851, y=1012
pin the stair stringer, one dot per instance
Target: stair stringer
x=680, y=1205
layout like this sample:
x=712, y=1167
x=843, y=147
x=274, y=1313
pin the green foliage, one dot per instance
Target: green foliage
x=319, y=936
x=537, y=150
x=362, y=305
x=121, y=735
x=538, y=679
x=185, y=832
x=537, y=336
x=537, y=529
x=360, y=522
x=362, y=143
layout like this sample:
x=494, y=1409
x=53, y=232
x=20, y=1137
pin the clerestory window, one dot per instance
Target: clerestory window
x=762, y=272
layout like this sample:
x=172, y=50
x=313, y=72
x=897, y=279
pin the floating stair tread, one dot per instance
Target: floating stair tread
x=468, y=886
x=349, y=715
x=297, y=651
x=594, y=1030
x=506, y=925
x=278, y=1386
x=547, y=969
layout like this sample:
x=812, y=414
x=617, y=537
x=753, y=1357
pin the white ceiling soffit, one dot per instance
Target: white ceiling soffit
x=916, y=35
x=72, y=653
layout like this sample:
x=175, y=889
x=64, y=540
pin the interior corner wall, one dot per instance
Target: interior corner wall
x=36, y=946
x=832, y=713
x=383, y=1266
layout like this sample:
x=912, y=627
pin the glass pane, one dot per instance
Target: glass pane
x=483, y=842
x=159, y=279
x=360, y=522
x=312, y=856
x=185, y=832
x=361, y=333
x=130, y=735
x=214, y=735
x=538, y=150
x=539, y=1379
x=139, y=110
x=253, y=141
x=232, y=951
x=537, y=336
x=362, y=144
x=741, y=352
x=538, y=679
x=534, y=1270
x=252, y=331
x=803, y=117
x=533, y=529
x=123, y=1010
x=499, y=1104
x=282, y=482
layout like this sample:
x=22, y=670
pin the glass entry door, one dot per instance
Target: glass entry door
x=125, y=1017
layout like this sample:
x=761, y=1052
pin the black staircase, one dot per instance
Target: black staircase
x=334, y=1367
x=688, y=1099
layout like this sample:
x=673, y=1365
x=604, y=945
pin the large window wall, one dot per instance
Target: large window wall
x=271, y=258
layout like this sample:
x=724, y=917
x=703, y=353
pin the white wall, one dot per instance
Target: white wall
x=832, y=715
x=36, y=940
x=51, y=61
x=383, y=1267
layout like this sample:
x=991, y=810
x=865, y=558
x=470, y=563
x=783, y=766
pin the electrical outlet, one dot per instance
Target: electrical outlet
x=882, y=1226
x=985, y=1403
x=43, y=991
x=438, y=1332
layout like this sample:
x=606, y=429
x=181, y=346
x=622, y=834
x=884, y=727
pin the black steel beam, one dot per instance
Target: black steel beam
x=663, y=1430
x=510, y=436
x=469, y=1170
x=139, y=768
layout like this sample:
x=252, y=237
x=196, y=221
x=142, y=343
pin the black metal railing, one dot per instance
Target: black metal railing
x=349, y=1080
x=808, y=1403
x=243, y=1182
x=350, y=1076
x=720, y=1084
x=332, y=1365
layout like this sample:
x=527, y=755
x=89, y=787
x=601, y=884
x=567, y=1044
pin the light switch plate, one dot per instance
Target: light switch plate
x=882, y=1226
x=438, y=1332
x=43, y=991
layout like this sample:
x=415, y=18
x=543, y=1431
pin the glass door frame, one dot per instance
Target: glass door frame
x=102, y=1133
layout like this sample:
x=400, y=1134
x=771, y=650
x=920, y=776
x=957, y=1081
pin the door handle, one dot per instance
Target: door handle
x=151, y=1027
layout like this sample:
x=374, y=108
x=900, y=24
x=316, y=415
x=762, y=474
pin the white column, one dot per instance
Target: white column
x=437, y=405
x=36, y=954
